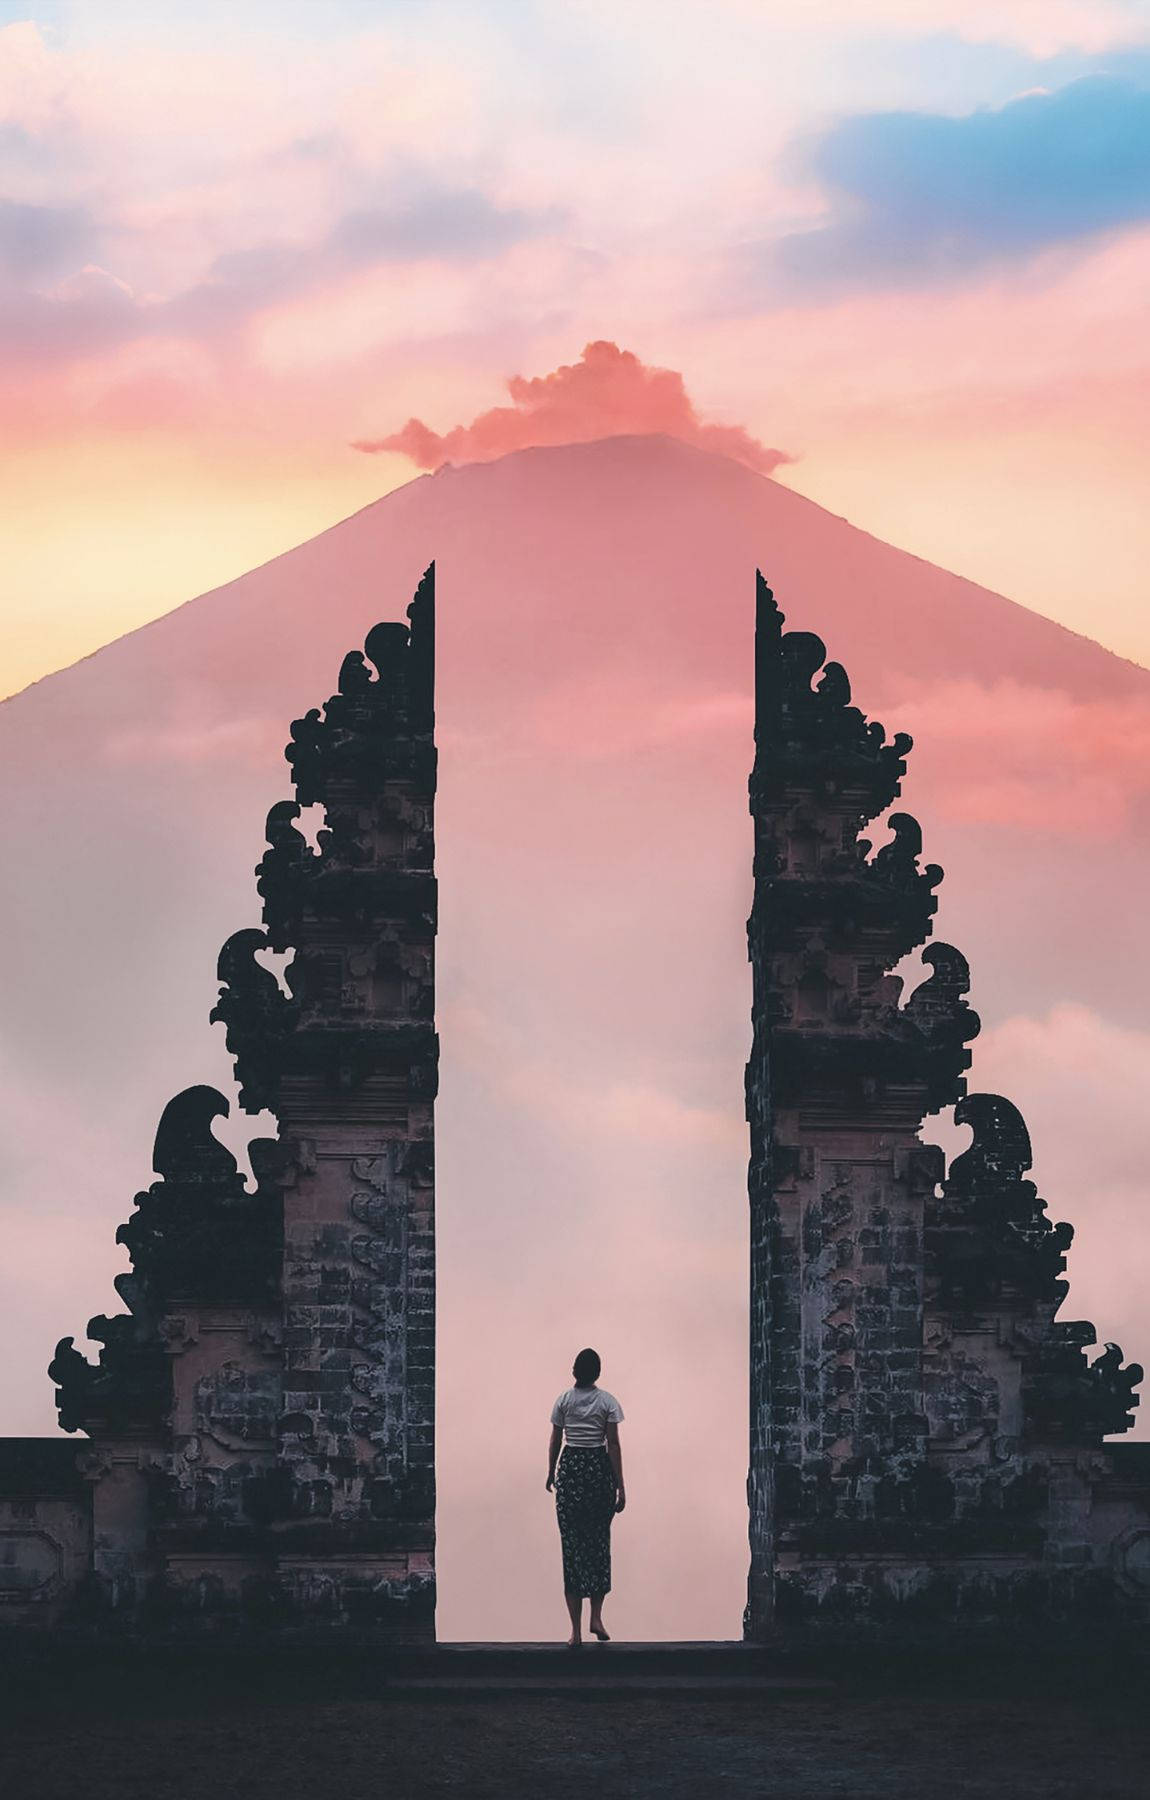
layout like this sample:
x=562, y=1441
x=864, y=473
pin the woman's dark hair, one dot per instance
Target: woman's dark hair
x=586, y=1368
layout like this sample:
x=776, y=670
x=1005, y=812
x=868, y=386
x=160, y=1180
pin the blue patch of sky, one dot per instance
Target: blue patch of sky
x=917, y=195
x=938, y=73
x=47, y=14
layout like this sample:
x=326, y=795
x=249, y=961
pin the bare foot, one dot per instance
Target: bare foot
x=574, y=1643
x=600, y=1630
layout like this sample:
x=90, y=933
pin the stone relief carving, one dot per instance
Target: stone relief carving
x=31, y=1563
x=910, y=1382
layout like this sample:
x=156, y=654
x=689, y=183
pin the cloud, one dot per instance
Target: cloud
x=1030, y=758
x=919, y=196
x=42, y=242
x=609, y=392
x=452, y=225
x=229, y=741
x=92, y=310
x=456, y=225
x=1042, y=27
x=88, y=313
x=1070, y=1064
x=1080, y=1081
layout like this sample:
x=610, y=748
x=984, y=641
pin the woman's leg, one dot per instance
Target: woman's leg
x=596, y=1620
x=575, y=1608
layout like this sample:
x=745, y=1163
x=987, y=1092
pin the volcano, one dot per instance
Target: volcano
x=594, y=720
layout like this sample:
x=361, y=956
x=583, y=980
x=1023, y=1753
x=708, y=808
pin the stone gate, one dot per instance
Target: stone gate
x=260, y=1424
x=927, y=1439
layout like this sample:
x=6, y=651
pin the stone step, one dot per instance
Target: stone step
x=605, y=1686
x=714, y=1653
x=706, y=1669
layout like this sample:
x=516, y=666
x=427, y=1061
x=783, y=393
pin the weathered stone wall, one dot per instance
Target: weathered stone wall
x=929, y=1441
x=45, y=1531
x=926, y=1438
x=355, y=1097
x=260, y=1422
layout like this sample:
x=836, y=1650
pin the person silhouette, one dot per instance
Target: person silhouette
x=588, y=1482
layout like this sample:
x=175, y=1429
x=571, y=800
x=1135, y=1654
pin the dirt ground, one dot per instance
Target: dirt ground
x=928, y=1745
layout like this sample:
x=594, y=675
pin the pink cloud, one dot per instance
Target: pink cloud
x=1027, y=757
x=609, y=392
x=1068, y=1063
x=1080, y=1081
x=251, y=741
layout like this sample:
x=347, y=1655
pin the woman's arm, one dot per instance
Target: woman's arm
x=615, y=1456
x=553, y=1454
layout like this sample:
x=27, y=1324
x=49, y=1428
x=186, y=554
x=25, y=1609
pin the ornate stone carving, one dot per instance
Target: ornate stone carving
x=357, y=1066
x=238, y=1406
x=373, y=729
x=911, y=1390
x=258, y=1016
x=31, y=1564
x=988, y=1232
x=197, y=1233
x=128, y=1392
x=282, y=874
x=925, y=1432
x=808, y=736
x=1071, y=1399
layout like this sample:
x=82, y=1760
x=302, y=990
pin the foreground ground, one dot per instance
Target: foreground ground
x=605, y=1749
x=844, y=1743
x=159, y=1728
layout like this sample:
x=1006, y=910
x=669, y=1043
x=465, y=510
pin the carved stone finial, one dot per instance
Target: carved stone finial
x=1000, y=1153
x=810, y=732
x=128, y=1392
x=991, y=1245
x=197, y=1232
x=1113, y=1386
x=282, y=872
x=258, y=1017
x=1070, y=1398
x=834, y=688
x=939, y=1001
x=373, y=729
x=354, y=676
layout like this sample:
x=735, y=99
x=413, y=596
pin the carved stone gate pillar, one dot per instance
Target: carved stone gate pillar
x=354, y=1079
x=837, y=1086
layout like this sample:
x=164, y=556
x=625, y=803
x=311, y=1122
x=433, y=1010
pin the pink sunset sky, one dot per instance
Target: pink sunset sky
x=904, y=245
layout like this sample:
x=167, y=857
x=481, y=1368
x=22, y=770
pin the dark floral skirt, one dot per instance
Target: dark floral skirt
x=585, y=1506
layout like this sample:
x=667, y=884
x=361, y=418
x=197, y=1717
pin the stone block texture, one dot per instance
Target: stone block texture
x=259, y=1446
x=930, y=1443
x=927, y=1439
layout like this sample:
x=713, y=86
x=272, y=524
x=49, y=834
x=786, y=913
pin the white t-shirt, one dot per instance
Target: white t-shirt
x=585, y=1413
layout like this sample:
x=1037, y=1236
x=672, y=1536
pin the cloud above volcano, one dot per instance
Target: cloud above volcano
x=609, y=392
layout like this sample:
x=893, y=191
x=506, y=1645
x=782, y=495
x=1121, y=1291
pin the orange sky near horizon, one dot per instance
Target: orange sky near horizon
x=148, y=528
x=227, y=254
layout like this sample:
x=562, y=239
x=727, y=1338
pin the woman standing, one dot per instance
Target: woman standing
x=588, y=1490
